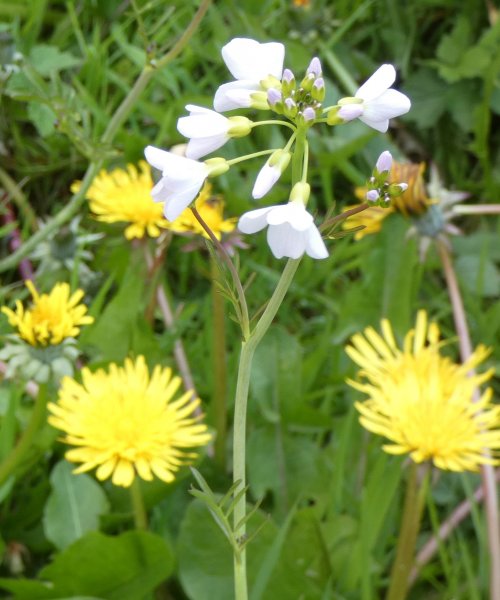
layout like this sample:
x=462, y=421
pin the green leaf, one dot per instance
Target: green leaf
x=48, y=59
x=42, y=117
x=126, y=567
x=479, y=275
x=74, y=506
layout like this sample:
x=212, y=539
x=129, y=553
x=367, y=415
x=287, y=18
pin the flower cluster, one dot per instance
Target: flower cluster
x=126, y=422
x=421, y=400
x=261, y=83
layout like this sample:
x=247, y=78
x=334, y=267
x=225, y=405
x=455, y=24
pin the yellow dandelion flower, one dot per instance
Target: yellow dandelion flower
x=126, y=422
x=52, y=318
x=414, y=201
x=125, y=195
x=371, y=219
x=422, y=401
x=211, y=209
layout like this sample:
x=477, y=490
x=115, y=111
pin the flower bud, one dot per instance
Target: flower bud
x=290, y=108
x=396, y=189
x=275, y=99
x=384, y=162
x=314, y=67
x=258, y=100
x=287, y=82
x=280, y=159
x=318, y=89
x=372, y=195
x=309, y=115
x=308, y=81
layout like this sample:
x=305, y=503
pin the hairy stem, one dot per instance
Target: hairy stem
x=487, y=471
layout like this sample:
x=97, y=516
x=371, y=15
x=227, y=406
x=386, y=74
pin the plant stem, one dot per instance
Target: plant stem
x=116, y=122
x=487, y=471
x=410, y=524
x=220, y=368
x=476, y=209
x=24, y=445
x=140, y=516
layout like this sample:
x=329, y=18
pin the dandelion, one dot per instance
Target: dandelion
x=53, y=317
x=370, y=220
x=125, y=195
x=421, y=401
x=126, y=422
x=211, y=210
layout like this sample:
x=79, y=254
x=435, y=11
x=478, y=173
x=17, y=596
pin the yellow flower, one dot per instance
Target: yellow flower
x=125, y=195
x=52, y=318
x=422, y=401
x=211, y=209
x=125, y=422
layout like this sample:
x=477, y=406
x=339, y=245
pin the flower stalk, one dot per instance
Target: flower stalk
x=487, y=471
x=410, y=525
x=138, y=508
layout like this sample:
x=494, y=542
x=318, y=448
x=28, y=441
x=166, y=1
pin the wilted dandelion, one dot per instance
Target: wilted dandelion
x=126, y=422
x=52, y=318
x=124, y=195
x=422, y=401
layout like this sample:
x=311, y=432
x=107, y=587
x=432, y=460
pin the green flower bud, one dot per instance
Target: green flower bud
x=240, y=126
x=217, y=166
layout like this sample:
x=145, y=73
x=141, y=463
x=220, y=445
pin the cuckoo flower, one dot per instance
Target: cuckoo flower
x=270, y=172
x=208, y=130
x=291, y=229
x=250, y=63
x=182, y=179
x=376, y=102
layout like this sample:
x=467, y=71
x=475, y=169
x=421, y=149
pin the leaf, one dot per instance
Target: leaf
x=479, y=275
x=42, y=117
x=74, y=506
x=49, y=59
x=126, y=567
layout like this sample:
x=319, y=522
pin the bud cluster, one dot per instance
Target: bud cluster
x=301, y=104
x=380, y=190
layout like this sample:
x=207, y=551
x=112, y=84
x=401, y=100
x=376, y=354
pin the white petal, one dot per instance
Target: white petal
x=266, y=178
x=203, y=124
x=315, y=246
x=293, y=213
x=159, y=193
x=157, y=158
x=247, y=59
x=387, y=106
x=381, y=126
x=286, y=241
x=380, y=81
x=198, y=147
x=235, y=94
x=180, y=200
x=254, y=220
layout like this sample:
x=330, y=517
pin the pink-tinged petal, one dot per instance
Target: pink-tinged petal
x=248, y=59
x=286, y=241
x=198, y=147
x=235, y=94
x=380, y=81
x=348, y=112
x=315, y=246
x=254, y=220
x=266, y=178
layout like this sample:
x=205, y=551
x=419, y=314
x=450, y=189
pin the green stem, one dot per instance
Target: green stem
x=220, y=368
x=117, y=120
x=248, y=348
x=410, y=525
x=275, y=122
x=25, y=443
x=140, y=515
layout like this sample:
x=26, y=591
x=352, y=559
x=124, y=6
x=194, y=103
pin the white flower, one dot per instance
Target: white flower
x=376, y=102
x=270, y=173
x=291, y=230
x=209, y=130
x=249, y=62
x=181, y=182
